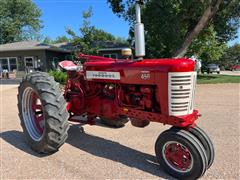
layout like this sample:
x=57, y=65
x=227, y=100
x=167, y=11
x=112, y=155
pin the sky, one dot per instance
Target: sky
x=237, y=40
x=59, y=14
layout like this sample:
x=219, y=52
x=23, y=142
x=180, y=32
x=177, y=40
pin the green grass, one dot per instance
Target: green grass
x=217, y=78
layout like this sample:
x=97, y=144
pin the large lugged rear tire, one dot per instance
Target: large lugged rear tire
x=181, y=154
x=42, y=111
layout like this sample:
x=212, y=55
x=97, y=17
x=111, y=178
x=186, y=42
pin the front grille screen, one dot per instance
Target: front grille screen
x=181, y=92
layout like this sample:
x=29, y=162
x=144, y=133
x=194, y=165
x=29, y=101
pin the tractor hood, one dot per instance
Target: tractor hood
x=156, y=65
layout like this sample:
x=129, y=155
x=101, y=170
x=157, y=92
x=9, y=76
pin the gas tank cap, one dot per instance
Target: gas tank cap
x=68, y=65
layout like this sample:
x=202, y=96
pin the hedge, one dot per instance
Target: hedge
x=59, y=76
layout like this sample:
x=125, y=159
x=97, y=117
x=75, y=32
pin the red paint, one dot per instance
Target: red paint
x=235, y=68
x=179, y=121
x=178, y=157
x=38, y=112
x=94, y=58
x=141, y=93
x=159, y=65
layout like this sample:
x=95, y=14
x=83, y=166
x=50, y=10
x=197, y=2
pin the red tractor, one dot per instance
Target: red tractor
x=118, y=91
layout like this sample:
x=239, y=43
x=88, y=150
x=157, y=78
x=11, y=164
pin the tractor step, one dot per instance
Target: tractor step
x=83, y=119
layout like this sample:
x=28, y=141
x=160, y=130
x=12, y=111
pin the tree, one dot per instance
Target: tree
x=91, y=38
x=59, y=39
x=47, y=40
x=230, y=57
x=19, y=20
x=208, y=13
x=207, y=47
x=172, y=25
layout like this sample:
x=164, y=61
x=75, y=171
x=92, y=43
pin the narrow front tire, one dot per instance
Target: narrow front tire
x=181, y=154
x=206, y=142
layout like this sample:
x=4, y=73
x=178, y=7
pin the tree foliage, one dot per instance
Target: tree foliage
x=19, y=20
x=169, y=22
x=59, y=39
x=230, y=57
x=91, y=38
x=207, y=46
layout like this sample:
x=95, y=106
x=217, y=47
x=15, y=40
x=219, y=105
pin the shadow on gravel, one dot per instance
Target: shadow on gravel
x=17, y=139
x=114, y=151
x=96, y=146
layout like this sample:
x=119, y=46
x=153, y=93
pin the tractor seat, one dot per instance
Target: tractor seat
x=68, y=65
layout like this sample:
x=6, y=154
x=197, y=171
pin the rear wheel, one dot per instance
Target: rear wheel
x=42, y=112
x=181, y=154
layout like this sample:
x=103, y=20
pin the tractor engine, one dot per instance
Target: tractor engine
x=138, y=97
x=78, y=90
x=160, y=90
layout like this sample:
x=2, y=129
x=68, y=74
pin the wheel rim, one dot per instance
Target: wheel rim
x=33, y=115
x=177, y=156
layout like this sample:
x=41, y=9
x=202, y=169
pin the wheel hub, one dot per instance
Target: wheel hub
x=37, y=112
x=177, y=156
x=33, y=115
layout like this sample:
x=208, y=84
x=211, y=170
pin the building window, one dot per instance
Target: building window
x=13, y=64
x=9, y=63
x=29, y=62
x=55, y=63
x=106, y=55
x=113, y=56
x=70, y=57
x=4, y=63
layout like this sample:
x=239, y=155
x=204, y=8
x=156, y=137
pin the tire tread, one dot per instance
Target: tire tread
x=54, y=111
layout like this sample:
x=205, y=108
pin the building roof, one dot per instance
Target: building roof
x=65, y=45
x=112, y=49
x=111, y=46
x=30, y=45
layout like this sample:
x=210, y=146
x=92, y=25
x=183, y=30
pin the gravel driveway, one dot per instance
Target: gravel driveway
x=126, y=153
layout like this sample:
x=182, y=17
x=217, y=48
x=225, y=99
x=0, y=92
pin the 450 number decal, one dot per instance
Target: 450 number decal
x=145, y=75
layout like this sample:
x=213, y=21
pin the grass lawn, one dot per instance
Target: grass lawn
x=217, y=78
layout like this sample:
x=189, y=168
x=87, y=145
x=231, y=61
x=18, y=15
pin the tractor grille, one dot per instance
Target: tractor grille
x=181, y=92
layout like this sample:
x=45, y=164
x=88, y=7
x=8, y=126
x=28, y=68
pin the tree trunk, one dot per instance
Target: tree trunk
x=202, y=23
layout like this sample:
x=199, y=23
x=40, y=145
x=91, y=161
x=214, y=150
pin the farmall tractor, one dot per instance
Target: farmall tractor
x=117, y=91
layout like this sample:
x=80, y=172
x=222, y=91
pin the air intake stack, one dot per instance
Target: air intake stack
x=139, y=32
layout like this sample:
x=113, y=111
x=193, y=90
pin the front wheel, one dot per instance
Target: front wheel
x=206, y=142
x=42, y=112
x=181, y=154
x=202, y=136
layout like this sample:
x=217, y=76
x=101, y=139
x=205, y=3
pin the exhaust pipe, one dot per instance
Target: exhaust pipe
x=139, y=32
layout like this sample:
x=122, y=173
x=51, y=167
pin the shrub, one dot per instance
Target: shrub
x=59, y=76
